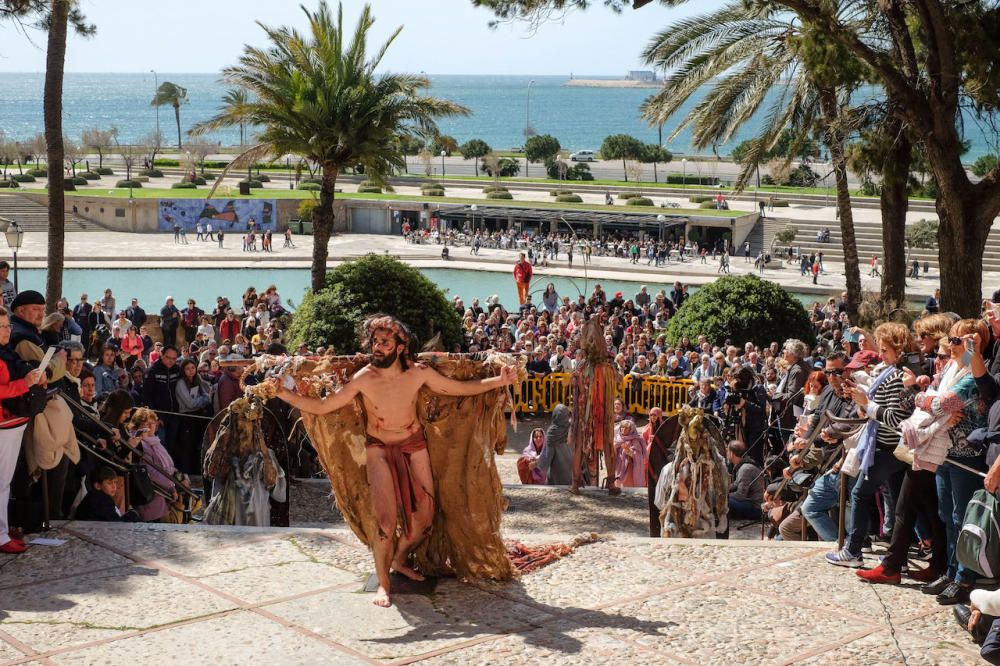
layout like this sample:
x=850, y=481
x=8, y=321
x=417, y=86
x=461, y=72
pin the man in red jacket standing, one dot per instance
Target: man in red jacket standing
x=522, y=277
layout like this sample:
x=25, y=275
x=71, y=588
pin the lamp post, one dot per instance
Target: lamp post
x=660, y=219
x=684, y=165
x=15, y=237
x=288, y=160
x=156, y=90
x=443, y=153
x=527, y=124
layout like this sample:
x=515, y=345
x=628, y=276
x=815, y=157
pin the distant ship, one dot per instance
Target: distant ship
x=636, y=78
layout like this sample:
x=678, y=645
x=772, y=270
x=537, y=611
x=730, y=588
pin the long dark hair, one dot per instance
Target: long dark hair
x=117, y=403
x=194, y=381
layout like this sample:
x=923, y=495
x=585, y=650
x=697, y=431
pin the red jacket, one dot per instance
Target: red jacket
x=522, y=272
x=228, y=330
x=11, y=388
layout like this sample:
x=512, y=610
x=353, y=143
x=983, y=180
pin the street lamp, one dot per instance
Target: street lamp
x=443, y=153
x=15, y=237
x=288, y=160
x=660, y=219
x=156, y=90
x=473, y=208
x=684, y=165
x=527, y=123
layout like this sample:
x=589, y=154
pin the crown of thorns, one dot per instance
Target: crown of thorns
x=387, y=323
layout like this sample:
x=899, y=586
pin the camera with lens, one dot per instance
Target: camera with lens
x=735, y=397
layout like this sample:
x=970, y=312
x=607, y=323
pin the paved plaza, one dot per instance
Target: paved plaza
x=148, y=594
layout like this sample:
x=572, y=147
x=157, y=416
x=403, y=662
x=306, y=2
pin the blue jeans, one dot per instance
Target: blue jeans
x=955, y=487
x=823, y=496
x=743, y=509
x=885, y=466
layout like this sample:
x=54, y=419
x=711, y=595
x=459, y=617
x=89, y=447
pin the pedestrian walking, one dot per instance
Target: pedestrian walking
x=815, y=271
x=198, y=232
x=177, y=233
x=184, y=236
x=288, y=238
x=746, y=252
x=209, y=232
x=761, y=204
x=221, y=236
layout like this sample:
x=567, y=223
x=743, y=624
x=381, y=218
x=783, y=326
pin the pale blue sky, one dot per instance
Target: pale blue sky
x=439, y=37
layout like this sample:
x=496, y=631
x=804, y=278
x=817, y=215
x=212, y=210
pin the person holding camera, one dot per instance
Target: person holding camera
x=743, y=417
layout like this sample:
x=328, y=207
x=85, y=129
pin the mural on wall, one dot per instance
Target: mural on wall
x=226, y=214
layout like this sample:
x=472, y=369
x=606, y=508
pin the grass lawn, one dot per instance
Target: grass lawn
x=201, y=193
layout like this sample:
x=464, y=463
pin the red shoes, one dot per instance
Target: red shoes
x=879, y=575
x=13, y=547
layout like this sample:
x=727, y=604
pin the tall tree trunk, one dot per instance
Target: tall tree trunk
x=177, y=117
x=323, y=227
x=625, y=169
x=835, y=143
x=894, y=204
x=54, y=64
x=965, y=226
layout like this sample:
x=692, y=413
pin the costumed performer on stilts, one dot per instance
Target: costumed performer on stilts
x=398, y=466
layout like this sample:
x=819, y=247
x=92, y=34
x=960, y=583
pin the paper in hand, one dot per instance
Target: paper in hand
x=47, y=358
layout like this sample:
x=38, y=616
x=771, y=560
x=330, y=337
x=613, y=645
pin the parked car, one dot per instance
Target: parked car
x=583, y=156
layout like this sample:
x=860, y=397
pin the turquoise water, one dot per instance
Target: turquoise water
x=152, y=286
x=579, y=117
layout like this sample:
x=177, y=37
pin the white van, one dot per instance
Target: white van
x=582, y=156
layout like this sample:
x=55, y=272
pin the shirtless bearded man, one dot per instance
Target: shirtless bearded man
x=399, y=470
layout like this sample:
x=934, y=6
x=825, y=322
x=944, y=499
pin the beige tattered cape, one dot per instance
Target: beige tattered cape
x=463, y=435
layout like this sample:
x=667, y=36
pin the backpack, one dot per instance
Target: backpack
x=978, y=546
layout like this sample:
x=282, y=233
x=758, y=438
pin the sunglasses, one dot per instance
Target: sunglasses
x=836, y=372
x=955, y=341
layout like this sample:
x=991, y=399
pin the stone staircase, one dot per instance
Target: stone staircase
x=34, y=216
x=869, y=241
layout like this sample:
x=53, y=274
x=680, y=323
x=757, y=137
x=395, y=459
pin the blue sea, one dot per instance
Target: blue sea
x=579, y=117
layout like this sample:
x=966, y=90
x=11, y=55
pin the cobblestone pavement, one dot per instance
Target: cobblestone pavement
x=127, y=594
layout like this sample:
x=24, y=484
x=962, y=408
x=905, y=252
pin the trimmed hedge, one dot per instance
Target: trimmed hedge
x=90, y=175
x=699, y=198
x=499, y=195
x=166, y=163
x=678, y=179
x=78, y=180
x=707, y=204
x=141, y=179
x=151, y=173
x=369, y=189
x=309, y=187
x=183, y=186
x=628, y=195
x=23, y=178
x=432, y=192
x=556, y=193
x=569, y=198
x=311, y=179
x=9, y=184
x=262, y=177
x=639, y=201
x=780, y=203
x=494, y=188
x=129, y=183
x=105, y=171
x=197, y=180
x=253, y=183
x=39, y=173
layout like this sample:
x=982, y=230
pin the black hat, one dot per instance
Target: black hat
x=28, y=297
x=996, y=296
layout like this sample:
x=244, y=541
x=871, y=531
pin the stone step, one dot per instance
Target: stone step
x=33, y=216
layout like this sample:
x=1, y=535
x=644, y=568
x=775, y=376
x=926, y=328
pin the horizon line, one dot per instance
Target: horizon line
x=575, y=75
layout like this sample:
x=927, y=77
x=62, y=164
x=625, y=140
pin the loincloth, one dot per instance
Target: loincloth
x=408, y=493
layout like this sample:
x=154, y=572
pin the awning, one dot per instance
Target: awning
x=567, y=215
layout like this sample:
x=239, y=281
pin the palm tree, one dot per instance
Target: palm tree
x=751, y=55
x=173, y=95
x=236, y=99
x=316, y=94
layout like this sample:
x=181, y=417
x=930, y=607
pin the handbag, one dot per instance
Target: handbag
x=140, y=487
x=903, y=453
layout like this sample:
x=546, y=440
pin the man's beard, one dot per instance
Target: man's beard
x=384, y=361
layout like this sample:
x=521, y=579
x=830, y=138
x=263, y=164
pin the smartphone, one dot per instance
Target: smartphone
x=914, y=361
x=970, y=346
x=852, y=335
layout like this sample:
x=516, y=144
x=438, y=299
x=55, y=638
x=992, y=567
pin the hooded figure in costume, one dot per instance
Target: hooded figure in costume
x=594, y=384
x=557, y=457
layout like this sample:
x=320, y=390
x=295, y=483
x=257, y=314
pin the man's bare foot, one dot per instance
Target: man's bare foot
x=614, y=490
x=409, y=572
x=575, y=489
x=382, y=598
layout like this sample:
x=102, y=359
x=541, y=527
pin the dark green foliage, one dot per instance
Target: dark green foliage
x=313, y=180
x=432, y=191
x=370, y=285
x=628, y=195
x=870, y=188
x=541, y=148
x=253, y=183
x=652, y=152
x=506, y=166
x=802, y=176
x=699, y=198
x=9, y=184
x=621, y=147
x=309, y=187
x=779, y=203
x=787, y=235
x=166, y=163
x=639, y=201
x=579, y=171
x=499, y=195
x=788, y=145
x=689, y=179
x=78, y=180
x=923, y=233
x=90, y=175
x=262, y=177
x=569, y=198
x=105, y=171
x=369, y=189
x=38, y=173
x=555, y=193
x=135, y=184
x=494, y=188
x=984, y=165
x=183, y=186
x=152, y=173
x=744, y=309
x=707, y=204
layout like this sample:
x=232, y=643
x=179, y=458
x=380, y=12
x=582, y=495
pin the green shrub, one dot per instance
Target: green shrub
x=197, y=180
x=432, y=191
x=39, y=173
x=126, y=183
x=742, y=308
x=787, y=235
x=183, y=186
x=707, y=205
x=679, y=179
x=105, y=171
x=90, y=175
x=262, y=177
x=569, y=198
x=166, y=163
x=923, y=233
x=311, y=179
x=499, y=195
x=151, y=173
x=309, y=187
x=369, y=189
x=494, y=188
x=639, y=201
x=780, y=203
x=306, y=207
x=78, y=180
x=555, y=193
x=628, y=195
x=141, y=179
x=8, y=184
x=984, y=165
x=373, y=284
x=23, y=178
x=699, y=198
x=254, y=184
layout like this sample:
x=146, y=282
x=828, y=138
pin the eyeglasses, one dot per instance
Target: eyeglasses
x=944, y=356
x=955, y=341
x=170, y=358
x=74, y=360
x=834, y=372
x=5, y=326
